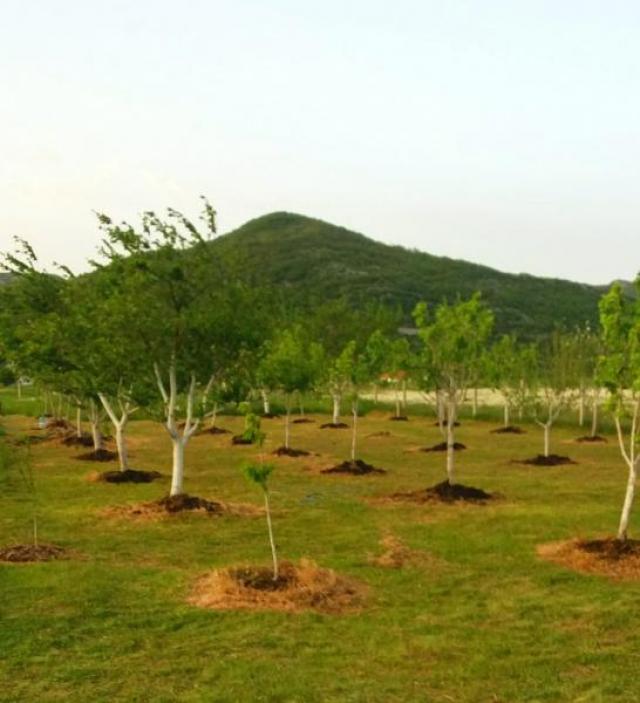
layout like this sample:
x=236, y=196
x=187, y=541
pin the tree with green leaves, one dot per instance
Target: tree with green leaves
x=453, y=339
x=619, y=372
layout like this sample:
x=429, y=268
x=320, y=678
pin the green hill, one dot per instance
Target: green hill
x=315, y=260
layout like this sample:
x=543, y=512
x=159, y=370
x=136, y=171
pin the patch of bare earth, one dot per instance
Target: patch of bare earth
x=288, y=451
x=354, y=468
x=542, y=460
x=396, y=555
x=399, y=418
x=299, y=587
x=444, y=492
x=509, y=429
x=128, y=476
x=442, y=447
x=334, y=426
x=605, y=557
x=174, y=505
x=24, y=553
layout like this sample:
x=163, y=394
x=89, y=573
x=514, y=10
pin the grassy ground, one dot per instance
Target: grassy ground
x=484, y=621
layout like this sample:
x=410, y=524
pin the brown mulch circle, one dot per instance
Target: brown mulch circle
x=542, y=460
x=334, y=426
x=128, y=476
x=588, y=439
x=302, y=421
x=239, y=439
x=509, y=429
x=355, y=468
x=288, y=451
x=442, y=447
x=300, y=587
x=99, y=455
x=606, y=557
x=445, y=492
x=22, y=553
x=85, y=440
x=399, y=418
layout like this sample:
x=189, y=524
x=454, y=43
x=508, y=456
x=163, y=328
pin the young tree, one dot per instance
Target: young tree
x=619, y=371
x=453, y=342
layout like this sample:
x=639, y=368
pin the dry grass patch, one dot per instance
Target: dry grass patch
x=396, y=555
x=604, y=557
x=299, y=588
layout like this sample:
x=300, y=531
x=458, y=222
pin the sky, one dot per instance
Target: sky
x=501, y=132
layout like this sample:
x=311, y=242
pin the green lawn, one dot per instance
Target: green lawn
x=484, y=621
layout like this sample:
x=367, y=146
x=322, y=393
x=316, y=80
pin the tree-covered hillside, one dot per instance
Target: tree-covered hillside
x=316, y=260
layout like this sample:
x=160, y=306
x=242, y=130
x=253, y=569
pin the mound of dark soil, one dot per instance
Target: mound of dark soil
x=129, y=476
x=442, y=447
x=302, y=421
x=383, y=433
x=30, y=552
x=355, y=468
x=509, y=429
x=445, y=424
x=551, y=460
x=605, y=557
x=216, y=430
x=297, y=588
x=288, y=451
x=239, y=439
x=399, y=418
x=445, y=492
x=588, y=439
x=185, y=503
x=85, y=440
x=102, y=455
x=58, y=424
x=334, y=426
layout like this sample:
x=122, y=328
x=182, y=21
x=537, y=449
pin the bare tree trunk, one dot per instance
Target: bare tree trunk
x=451, y=424
x=274, y=554
x=266, y=405
x=336, y=408
x=547, y=438
x=354, y=430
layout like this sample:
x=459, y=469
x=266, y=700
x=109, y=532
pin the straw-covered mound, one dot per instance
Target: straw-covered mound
x=606, y=557
x=300, y=587
x=24, y=553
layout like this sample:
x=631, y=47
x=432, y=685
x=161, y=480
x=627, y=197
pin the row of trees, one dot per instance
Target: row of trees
x=161, y=323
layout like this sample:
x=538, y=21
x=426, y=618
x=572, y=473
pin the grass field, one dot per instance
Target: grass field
x=482, y=620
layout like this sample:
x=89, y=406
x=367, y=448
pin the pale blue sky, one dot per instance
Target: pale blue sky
x=502, y=132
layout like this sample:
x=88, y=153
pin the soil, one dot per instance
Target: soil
x=216, y=430
x=542, y=460
x=445, y=492
x=302, y=421
x=173, y=505
x=301, y=587
x=356, y=468
x=102, y=455
x=185, y=503
x=239, y=439
x=606, y=557
x=509, y=429
x=128, y=476
x=58, y=424
x=588, y=439
x=334, y=426
x=284, y=451
x=444, y=424
x=269, y=416
x=442, y=447
x=30, y=552
x=383, y=433
x=85, y=440
x=399, y=418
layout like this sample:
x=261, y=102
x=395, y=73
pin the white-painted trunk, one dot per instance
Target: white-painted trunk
x=96, y=434
x=581, y=408
x=272, y=542
x=214, y=416
x=507, y=414
x=628, y=501
x=397, y=396
x=451, y=424
x=547, y=438
x=474, y=403
x=177, y=470
x=266, y=404
x=354, y=431
x=594, y=415
x=336, y=408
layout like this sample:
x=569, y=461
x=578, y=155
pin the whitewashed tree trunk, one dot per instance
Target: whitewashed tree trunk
x=507, y=414
x=451, y=424
x=474, y=403
x=632, y=460
x=354, y=430
x=119, y=425
x=266, y=404
x=272, y=542
x=336, y=408
x=581, y=407
x=397, y=397
x=547, y=439
x=594, y=413
x=96, y=432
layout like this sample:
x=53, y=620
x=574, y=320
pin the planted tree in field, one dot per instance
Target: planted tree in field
x=453, y=341
x=619, y=372
x=337, y=373
x=588, y=348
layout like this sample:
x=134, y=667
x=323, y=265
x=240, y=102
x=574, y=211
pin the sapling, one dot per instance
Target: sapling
x=259, y=474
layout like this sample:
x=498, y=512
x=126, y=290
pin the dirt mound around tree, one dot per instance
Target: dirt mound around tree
x=445, y=492
x=399, y=418
x=23, y=553
x=288, y=451
x=334, y=426
x=445, y=424
x=73, y=440
x=606, y=557
x=239, y=439
x=102, y=455
x=588, y=439
x=442, y=447
x=355, y=468
x=396, y=555
x=58, y=424
x=303, y=421
x=299, y=587
x=382, y=433
x=509, y=429
x=542, y=460
x=183, y=503
x=215, y=431
x=128, y=476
